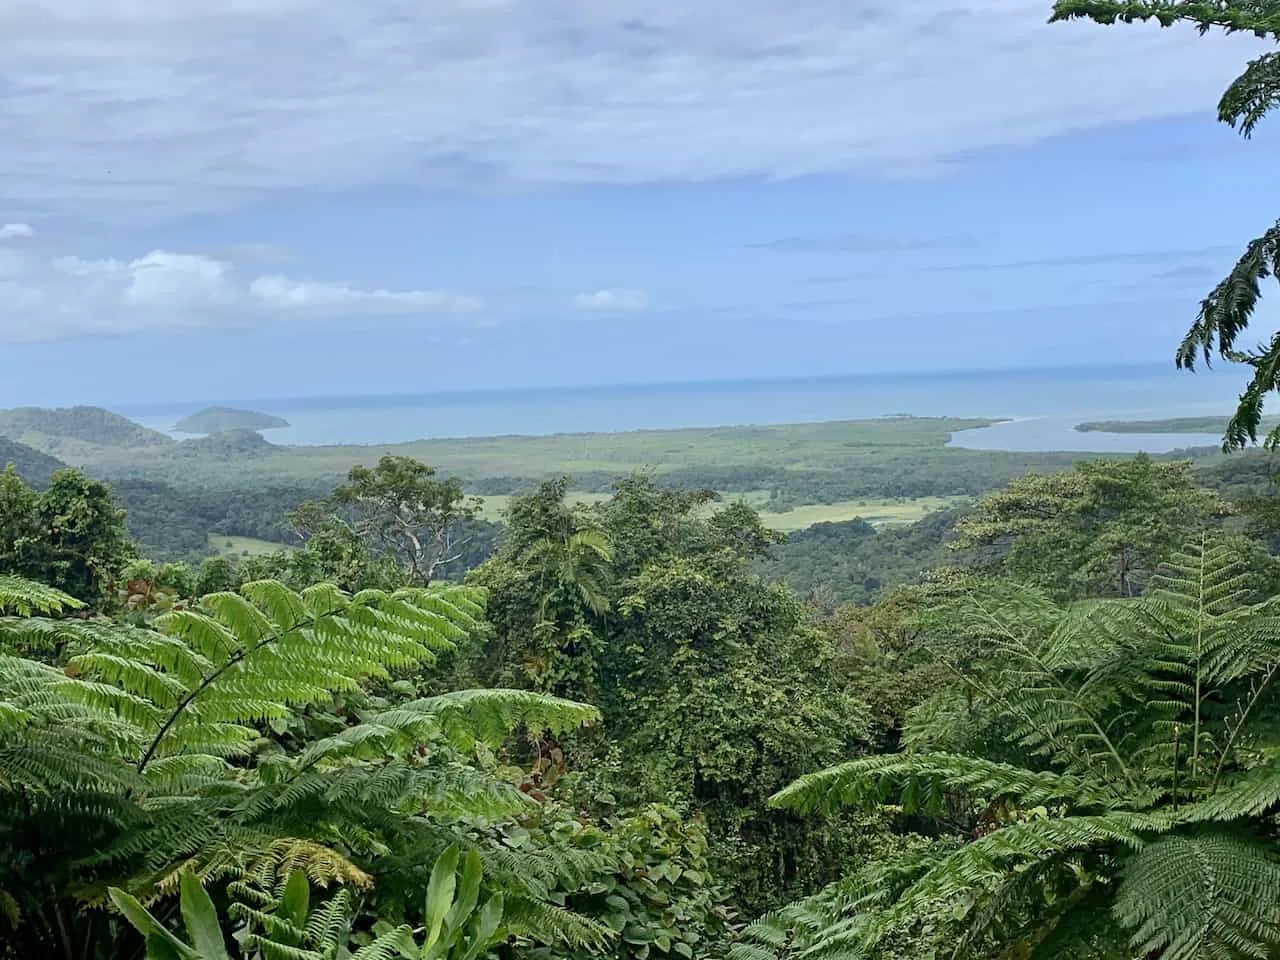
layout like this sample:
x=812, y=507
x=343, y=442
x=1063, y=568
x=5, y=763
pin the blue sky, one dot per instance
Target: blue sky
x=266, y=198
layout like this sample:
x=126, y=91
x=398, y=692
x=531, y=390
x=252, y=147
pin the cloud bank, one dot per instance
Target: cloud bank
x=69, y=296
x=192, y=105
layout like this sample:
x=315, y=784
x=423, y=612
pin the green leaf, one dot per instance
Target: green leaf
x=147, y=925
x=160, y=949
x=444, y=879
x=486, y=927
x=296, y=902
x=201, y=918
x=468, y=893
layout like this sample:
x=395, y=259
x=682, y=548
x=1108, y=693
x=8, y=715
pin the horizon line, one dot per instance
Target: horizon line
x=330, y=401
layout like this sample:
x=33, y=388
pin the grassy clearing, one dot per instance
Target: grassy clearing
x=877, y=512
x=243, y=546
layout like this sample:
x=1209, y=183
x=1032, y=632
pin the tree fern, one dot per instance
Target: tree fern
x=1202, y=895
x=156, y=743
x=1152, y=780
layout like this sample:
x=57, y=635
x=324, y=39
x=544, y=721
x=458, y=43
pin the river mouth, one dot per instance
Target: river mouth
x=1059, y=434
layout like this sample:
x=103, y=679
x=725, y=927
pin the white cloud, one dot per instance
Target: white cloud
x=14, y=231
x=286, y=294
x=196, y=104
x=70, y=296
x=617, y=299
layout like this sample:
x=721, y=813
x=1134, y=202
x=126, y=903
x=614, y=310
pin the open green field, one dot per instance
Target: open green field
x=242, y=546
x=879, y=512
x=495, y=505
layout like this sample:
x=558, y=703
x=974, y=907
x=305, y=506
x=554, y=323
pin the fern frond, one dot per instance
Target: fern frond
x=543, y=923
x=463, y=719
x=389, y=946
x=921, y=782
x=1206, y=895
x=488, y=716
x=201, y=683
x=986, y=862
x=27, y=598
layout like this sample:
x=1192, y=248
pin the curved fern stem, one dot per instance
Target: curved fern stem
x=208, y=681
x=1255, y=695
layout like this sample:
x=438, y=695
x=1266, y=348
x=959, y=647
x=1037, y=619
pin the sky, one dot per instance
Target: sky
x=220, y=199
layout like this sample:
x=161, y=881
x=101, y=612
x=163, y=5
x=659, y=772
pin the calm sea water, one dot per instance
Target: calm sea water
x=1043, y=404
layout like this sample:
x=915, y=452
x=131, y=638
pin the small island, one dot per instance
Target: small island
x=220, y=419
x=1216, y=425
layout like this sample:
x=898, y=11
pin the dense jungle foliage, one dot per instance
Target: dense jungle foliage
x=1042, y=724
x=615, y=734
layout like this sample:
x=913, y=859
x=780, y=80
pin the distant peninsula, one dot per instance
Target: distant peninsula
x=220, y=419
x=1216, y=425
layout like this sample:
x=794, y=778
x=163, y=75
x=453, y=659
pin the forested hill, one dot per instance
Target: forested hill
x=45, y=428
x=218, y=419
x=225, y=446
x=31, y=465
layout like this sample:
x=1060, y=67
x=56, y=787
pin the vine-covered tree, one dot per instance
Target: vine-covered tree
x=398, y=509
x=714, y=688
x=71, y=534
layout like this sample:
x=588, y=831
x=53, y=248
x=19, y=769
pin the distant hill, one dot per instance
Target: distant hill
x=219, y=419
x=225, y=445
x=44, y=428
x=32, y=466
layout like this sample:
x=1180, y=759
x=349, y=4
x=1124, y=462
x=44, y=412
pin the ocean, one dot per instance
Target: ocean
x=1043, y=405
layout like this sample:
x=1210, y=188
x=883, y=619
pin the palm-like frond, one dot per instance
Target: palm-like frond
x=1151, y=784
x=578, y=563
x=1255, y=16
x=204, y=680
x=27, y=598
x=918, y=783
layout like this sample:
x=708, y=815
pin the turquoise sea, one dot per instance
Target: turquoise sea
x=1043, y=405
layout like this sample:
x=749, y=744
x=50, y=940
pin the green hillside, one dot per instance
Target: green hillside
x=76, y=431
x=31, y=465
